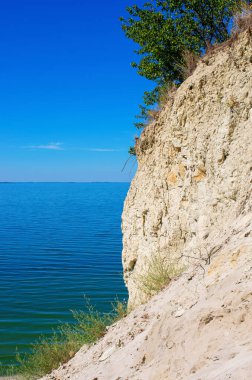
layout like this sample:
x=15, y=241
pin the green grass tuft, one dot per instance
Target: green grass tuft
x=160, y=271
x=48, y=354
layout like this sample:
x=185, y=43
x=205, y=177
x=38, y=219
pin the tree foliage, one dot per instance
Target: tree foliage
x=164, y=30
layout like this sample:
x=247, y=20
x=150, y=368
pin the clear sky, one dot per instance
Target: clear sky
x=68, y=94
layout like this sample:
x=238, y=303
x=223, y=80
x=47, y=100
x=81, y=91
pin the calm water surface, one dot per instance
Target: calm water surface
x=57, y=243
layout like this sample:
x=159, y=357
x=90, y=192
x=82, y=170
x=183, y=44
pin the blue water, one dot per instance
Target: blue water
x=57, y=243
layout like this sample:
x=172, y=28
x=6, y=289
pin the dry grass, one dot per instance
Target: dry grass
x=232, y=102
x=243, y=19
x=48, y=353
x=160, y=271
x=153, y=115
x=167, y=94
x=189, y=64
x=242, y=22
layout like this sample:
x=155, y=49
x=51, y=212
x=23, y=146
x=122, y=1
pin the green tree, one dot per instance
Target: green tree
x=164, y=30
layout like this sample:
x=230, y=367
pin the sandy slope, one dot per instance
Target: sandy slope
x=199, y=328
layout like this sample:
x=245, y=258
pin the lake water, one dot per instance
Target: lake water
x=58, y=242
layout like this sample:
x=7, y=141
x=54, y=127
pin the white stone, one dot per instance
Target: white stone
x=179, y=312
x=107, y=353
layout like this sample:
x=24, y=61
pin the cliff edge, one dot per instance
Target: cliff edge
x=194, y=166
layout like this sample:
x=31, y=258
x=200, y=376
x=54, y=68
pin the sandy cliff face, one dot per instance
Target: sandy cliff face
x=194, y=166
x=191, y=198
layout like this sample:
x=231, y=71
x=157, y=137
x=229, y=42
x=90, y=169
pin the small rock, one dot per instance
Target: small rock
x=119, y=343
x=215, y=358
x=107, y=353
x=179, y=313
x=143, y=359
x=170, y=345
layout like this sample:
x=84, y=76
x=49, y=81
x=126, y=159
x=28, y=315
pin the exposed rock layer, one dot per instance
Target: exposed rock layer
x=194, y=166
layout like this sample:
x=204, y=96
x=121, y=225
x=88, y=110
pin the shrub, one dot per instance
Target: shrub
x=48, y=354
x=132, y=151
x=163, y=30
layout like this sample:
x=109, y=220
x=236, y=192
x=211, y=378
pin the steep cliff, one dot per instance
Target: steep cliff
x=190, y=202
x=194, y=166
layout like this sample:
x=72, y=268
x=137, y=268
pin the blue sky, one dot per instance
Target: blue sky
x=68, y=94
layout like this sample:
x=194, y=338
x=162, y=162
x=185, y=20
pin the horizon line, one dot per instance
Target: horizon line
x=1, y=182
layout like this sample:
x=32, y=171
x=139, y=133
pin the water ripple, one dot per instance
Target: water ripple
x=57, y=243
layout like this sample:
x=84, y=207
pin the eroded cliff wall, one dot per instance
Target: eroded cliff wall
x=194, y=166
x=191, y=198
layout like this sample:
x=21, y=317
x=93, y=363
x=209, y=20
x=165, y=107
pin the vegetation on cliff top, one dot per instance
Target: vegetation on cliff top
x=169, y=33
